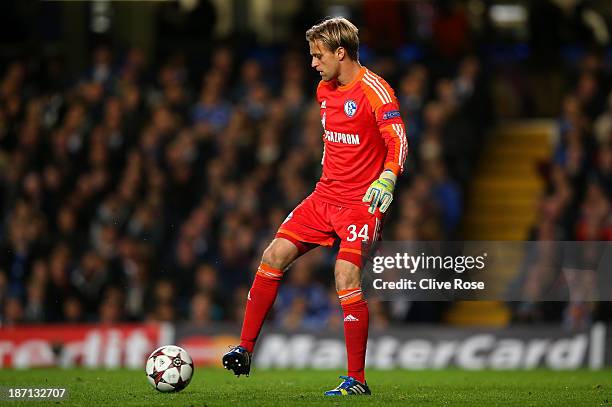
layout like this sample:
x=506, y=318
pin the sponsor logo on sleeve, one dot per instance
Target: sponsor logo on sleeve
x=391, y=114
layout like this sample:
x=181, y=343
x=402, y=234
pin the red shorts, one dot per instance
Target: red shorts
x=318, y=223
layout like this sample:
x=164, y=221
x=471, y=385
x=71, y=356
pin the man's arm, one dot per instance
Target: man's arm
x=393, y=131
x=380, y=192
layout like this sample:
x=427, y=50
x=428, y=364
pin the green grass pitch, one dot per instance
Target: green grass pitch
x=217, y=387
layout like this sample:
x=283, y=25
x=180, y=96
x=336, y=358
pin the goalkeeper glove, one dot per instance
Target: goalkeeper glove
x=381, y=192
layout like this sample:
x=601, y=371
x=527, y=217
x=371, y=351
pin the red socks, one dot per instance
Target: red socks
x=356, y=320
x=354, y=307
x=261, y=298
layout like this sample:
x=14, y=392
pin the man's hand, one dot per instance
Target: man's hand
x=381, y=192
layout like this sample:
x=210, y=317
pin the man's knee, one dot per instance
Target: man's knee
x=279, y=254
x=347, y=275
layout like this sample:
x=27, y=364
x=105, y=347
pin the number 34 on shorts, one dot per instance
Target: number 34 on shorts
x=356, y=238
x=362, y=234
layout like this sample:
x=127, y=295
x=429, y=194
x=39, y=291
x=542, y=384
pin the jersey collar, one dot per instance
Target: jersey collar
x=349, y=85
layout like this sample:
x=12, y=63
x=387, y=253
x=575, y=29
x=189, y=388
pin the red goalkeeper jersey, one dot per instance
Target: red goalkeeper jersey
x=363, y=135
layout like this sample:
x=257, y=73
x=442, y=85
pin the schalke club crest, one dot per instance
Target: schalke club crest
x=350, y=108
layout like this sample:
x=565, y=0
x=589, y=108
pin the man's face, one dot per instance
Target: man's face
x=324, y=61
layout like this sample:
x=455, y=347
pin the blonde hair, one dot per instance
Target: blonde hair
x=334, y=33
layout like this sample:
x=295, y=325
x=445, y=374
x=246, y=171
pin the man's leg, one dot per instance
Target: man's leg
x=356, y=316
x=304, y=229
x=279, y=254
x=357, y=230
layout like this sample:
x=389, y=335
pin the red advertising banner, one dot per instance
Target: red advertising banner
x=207, y=350
x=108, y=346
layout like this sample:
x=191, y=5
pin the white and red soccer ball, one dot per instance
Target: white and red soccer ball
x=169, y=369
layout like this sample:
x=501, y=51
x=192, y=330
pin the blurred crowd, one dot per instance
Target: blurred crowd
x=138, y=191
x=577, y=204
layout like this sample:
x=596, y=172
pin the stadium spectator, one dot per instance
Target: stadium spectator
x=201, y=310
x=13, y=312
x=73, y=311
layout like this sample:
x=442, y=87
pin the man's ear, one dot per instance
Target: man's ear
x=340, y=53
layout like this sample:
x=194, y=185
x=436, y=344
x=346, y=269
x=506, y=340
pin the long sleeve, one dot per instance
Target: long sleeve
x=392, y=129
x=388, y=118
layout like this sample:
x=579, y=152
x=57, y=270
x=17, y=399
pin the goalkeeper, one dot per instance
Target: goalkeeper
x=364, y=151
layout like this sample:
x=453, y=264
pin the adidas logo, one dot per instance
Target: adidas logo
x=350, y=318
x=324, y=104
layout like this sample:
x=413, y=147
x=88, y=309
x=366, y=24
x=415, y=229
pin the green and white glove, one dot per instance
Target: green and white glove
x=380, y=192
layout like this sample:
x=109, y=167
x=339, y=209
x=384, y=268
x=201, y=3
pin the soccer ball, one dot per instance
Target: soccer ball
x=169, y=369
